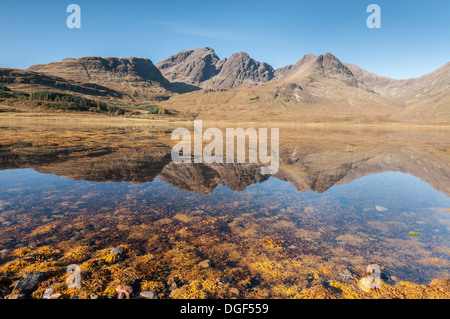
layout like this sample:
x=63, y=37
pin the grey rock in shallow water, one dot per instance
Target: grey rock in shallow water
x=29, y=283
x=149, y=295
x=116, y=251
x=345, y=275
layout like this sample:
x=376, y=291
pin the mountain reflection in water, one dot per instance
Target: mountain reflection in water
x=339, y=200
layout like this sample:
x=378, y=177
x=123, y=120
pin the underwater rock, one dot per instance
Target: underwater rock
x=17, y=296
x=149, y=295
x=173, y=283
x=116, y=251
x=381, y=208
x=74, y=280
x=121, y=295
x=205, y=263
x=366, y=284
x=29, y=283
x=127, y=290
x=234, y=292
x=345, y=275
x=55, y=296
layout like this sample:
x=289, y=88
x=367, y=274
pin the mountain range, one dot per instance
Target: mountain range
x=241, y=88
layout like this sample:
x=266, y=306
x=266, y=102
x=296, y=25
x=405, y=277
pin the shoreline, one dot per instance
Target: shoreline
x=104, y=119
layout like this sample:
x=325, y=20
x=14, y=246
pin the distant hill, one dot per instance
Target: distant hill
x=137, y=77
x=426, y=97
x=34, y=81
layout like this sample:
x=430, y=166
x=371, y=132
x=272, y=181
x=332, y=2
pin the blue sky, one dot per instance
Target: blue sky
x=414, y=38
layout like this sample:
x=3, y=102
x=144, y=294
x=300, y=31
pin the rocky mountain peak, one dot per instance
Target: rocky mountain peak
x=325, y=64
x=190, y=66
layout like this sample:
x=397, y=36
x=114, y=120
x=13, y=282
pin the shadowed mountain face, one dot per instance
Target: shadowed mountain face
x=138, y=78
x=314, y=161
x=20, y=79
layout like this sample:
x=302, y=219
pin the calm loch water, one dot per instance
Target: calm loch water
x=342, y=199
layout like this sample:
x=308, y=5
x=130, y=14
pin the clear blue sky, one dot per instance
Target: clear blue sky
x=414, y=38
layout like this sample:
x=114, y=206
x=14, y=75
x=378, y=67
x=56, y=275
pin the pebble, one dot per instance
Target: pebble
x=47, y=293
x=149, y=295
x=17, y=296
x=93, y=296
x=366, y=285
x=345, y=275
x=173, y=283
x=381, y=208
x=55, y=296
x=205, y=263
x=127, y=290
x=234, y=292
x=116, y=251
x=74, y=280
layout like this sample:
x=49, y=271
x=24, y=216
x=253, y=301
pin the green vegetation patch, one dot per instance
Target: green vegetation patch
x=414, y=233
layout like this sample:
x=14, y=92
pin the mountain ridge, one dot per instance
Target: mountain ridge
x=197, y=81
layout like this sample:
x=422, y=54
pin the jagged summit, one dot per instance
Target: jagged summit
x=191, y=66
x=203, y=67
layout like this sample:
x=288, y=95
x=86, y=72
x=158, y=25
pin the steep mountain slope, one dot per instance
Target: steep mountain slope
x=191, y=66
x=408, y=91
x=240, y=70
x=316, y=86
x=28, y=81
x=202, y=67
x=326, y=65
x=137, y=77
x=424, y=98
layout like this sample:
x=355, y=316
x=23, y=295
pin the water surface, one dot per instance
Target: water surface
x=342, y=199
